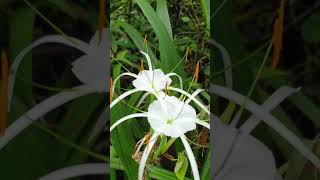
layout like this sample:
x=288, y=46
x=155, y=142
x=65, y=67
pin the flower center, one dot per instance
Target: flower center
x=169, y=121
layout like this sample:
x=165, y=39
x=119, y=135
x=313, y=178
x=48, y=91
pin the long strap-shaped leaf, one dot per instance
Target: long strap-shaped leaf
x=168, y=53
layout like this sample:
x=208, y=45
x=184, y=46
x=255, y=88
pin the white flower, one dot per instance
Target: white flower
x=177, y=119
x=91, y=69
x=148, y=80
x=239, y=156
x=171, y=117
x=151, y=81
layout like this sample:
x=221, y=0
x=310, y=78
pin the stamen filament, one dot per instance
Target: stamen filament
x=4, y=93
x=102, y=16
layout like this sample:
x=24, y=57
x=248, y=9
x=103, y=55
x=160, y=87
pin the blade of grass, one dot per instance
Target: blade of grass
x=168, y=53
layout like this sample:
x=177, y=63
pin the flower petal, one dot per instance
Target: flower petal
x=149, y=62
x=268, y=119
x=226, y=63
x=114, y=125
x=190, y=96
x=121, y=75
x=78, y=170
x=78, y=44
x=180, y=79
x=122, y=96
x=203, y=123
x=40, y=110
x=239, y=156
x=273, y=101
x=192, y=160
x=145, y=155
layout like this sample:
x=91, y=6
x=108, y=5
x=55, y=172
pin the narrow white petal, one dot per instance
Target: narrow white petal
x=121, y=75
x=145, y=155
x=124, y=95
x=190, y=96
x=114, y=125
x=203, y=123
x=194, y=94
x=82, y=46
x=77, y=171
x=148, y=60
x=143, y=98
x=40, y=110
x=268, y=119
x=149, y=63
x=180, y=79
x=273, y=101
x=100, y=124
x=226, y=63
x=192, y=160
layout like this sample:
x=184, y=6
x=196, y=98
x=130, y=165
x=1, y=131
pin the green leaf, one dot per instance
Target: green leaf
x=75, y=121
x=123, y=142
x=205, y=6
x=181, y=166
x=226, y=117
x=185, y=19
x=21, y=25
x=31, y=145
x=163, y=14
x=305, y=105
x=205, y=173
x=168, y=53
x=311, y=29
x=137, y=39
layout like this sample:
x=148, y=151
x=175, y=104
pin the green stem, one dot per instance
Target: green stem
x=70, y=143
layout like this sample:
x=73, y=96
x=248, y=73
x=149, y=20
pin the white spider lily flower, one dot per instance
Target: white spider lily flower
x=269, y=119
x=171, y=117
x=91, y=69
x=179, y=119
x=238, y=155
x=151, y=81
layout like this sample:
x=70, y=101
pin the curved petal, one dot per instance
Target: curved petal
x=194, y=94
x=143, y=98
x=128, y=93
x=114, y=125
x=40, y=110
x=78, y=44
x=149, y=63
x=239, y=156
x=121, y=75
x=190, y=96
x=273, y=101
x=192, y=160
x=180, y=79
x=268, y=119
x=122, y=96
x=78, y=170
x=226, y=63
x=145, y=155
x=203, y=123
x=100, y=124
